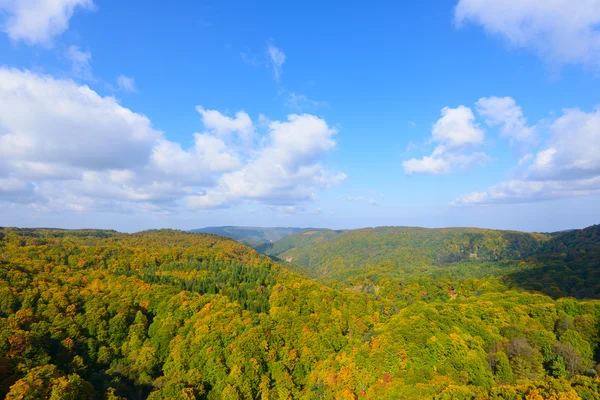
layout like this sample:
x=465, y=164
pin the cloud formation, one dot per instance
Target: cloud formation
x=560, y=31
x=65, y=147
x=566, y=165
x=455, y=132
x=504, y=112
x=37, y=22
x=283, y=172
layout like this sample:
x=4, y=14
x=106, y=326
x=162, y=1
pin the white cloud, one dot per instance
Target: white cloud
x=197, y=165
x=523, y=191
x=126, y=83
x=566, y=165
x=64, y=147
x=44, y=120
x=573, y=150
x=561, y=31
x=504, y=111
x=286, y=170
x=544, y=158
x=276, y=60
x=80, y=62
x=434, y=165
x=456, y=128
x=455, y=131
x=225, y=126
x=37, y=22
x=445, y=162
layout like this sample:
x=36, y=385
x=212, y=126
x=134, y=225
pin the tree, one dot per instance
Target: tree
x=37, y=384
x=71, y=388
x=503, y=371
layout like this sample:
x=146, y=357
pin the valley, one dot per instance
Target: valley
x=381, y=313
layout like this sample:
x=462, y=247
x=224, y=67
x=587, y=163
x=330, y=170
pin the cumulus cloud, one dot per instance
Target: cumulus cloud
x=57, y=122
x=566, y=165
x=456, y=128
x=504, y=112
x=561, y=31
x=573, y=150
x=64, y=147
x=454, y=132
x=195, y=166
x=276, y=60
x=37, y=22
x=286, y=170
x=224, y=126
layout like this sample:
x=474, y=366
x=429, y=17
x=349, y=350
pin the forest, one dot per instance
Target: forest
x=383, y=313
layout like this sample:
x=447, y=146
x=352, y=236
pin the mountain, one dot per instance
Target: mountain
x=395, y=313
x=566, y=265
x=251, y=236
x=340, y=254
x=301, y=239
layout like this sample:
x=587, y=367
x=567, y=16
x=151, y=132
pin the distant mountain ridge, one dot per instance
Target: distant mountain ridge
x=250, y=235
x=337, y=254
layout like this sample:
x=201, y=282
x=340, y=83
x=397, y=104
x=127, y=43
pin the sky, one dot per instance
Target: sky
x=132, y=116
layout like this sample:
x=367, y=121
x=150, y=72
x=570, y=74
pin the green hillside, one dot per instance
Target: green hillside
x=336, y=254
x=250, y=236
x=167, y=314
x=567, y=265
x=298, y=240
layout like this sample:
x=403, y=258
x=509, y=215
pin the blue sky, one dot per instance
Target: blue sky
x=133, y=116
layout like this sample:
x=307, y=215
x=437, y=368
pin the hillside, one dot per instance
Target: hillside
x=340, y=254
x=298, y=240
x=566, y=265
x=174, y=315
x=250, y=236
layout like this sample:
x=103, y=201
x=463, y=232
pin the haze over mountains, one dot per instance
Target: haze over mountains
x=251, y=236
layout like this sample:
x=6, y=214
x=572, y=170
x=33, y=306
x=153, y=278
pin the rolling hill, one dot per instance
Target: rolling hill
x=303, y=239
x=340, y=254
x=406, y=313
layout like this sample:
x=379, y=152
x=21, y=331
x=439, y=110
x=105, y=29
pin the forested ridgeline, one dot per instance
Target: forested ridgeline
x=341, y=254
x=173, y=315
x=557, y=264
x=566, y=265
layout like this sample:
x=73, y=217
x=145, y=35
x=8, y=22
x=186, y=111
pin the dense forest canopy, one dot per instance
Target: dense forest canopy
x=339, y=253
x=392, y=313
